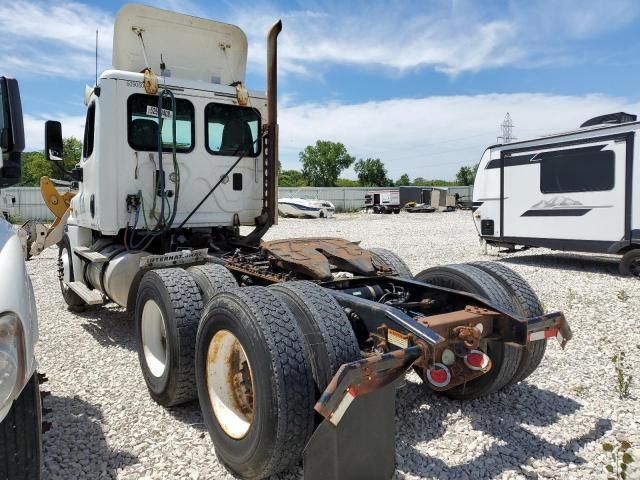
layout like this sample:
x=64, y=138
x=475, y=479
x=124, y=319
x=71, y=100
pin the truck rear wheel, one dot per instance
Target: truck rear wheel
x=212, y=278
x=65, y=274
x=387, y=258
x=255, y=383
x=505, y=358
x=168, y=308
x=528, y=306
x=21, y=435
x=328, y=336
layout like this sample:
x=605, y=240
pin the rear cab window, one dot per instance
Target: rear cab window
x=142, y=124
x=232, y=130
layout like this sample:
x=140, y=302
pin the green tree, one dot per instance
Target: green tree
x=371, y=173
x=72, y=152
x=403, y=181
x=35, y=165
x=347, y=182
x=291, y=178
x=322, y=163
x=466, y=175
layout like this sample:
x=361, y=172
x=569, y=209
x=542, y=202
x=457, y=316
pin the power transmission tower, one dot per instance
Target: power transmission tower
x=507, y=130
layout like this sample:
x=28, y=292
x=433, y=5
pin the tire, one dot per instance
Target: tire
x=387, y=258
x=396, y=211
x=167, y=313
x=21, y=436
x=505, y=358
x=271, y=437
x=328, y=336
x=65, y=273
x=528, y=306
x=630, y=263
x=322, y=215
x=212, y=278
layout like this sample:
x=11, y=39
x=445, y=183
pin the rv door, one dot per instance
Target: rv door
x=569, y=196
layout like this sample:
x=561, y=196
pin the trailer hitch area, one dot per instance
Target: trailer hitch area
x=356, y=439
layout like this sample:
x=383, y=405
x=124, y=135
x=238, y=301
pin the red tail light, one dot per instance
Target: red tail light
x=439, y=375
x=476, y=360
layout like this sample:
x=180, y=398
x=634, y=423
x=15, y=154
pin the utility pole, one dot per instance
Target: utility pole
x=507, y=130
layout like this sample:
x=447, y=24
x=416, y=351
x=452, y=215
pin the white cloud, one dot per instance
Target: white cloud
x=432, y=137
x=72, y=126
x=451, y=37
x=55, y=38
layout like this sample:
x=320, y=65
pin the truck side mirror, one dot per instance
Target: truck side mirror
x=53, y=145
x=11, y=132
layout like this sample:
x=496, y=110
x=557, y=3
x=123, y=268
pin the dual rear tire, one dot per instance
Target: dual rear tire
x=509, y=291
x=263, y=356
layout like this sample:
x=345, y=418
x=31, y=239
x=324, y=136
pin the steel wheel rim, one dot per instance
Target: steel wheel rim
x=154, y=338
x=230, y=384
x=66, y=272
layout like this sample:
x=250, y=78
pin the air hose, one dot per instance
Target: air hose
x=163, y=224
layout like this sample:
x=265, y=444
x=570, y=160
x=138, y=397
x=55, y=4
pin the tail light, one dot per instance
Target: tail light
x=439, y=375
x=476, y=360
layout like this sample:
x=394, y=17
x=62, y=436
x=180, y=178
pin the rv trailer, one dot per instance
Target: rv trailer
x=572, y=191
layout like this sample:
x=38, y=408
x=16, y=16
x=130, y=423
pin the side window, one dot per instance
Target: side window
x=232, y=130
x=89, y=131
x=142, y=124
x=586, y=169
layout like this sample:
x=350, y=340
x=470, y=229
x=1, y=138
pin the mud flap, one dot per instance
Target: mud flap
x=361, y=446
x=356, y=439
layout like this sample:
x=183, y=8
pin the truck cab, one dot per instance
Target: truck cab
x=20, y=406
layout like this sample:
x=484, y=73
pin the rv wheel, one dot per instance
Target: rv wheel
x=255, y=383
x=505, y=358
x=168, y=307
x=630, y=263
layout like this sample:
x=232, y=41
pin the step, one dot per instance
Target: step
x=92, y=297
x=89, y=255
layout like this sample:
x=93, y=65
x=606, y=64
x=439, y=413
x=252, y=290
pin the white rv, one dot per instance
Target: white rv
x=571, y=191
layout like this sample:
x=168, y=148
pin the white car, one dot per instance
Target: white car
x=20, y=405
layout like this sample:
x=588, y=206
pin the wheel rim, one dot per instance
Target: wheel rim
x=64, y=259
x=230, y=384
x=154, y=338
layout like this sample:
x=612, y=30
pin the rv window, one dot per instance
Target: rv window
x=89, y=130
x=232, y=130
x=143, y=124
x=579, y=170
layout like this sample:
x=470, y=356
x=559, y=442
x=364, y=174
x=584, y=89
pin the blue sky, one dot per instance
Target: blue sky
x=422, y=85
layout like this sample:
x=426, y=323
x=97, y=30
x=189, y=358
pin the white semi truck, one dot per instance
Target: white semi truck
x=293, y=347
x=20, y=403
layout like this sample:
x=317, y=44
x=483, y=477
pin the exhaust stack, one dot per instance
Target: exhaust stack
x=271, y=138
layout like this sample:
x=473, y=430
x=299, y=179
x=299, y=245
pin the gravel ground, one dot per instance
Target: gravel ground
x=105, y=425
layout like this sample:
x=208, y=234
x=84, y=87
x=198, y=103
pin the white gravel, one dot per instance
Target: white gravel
x=105, y=425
